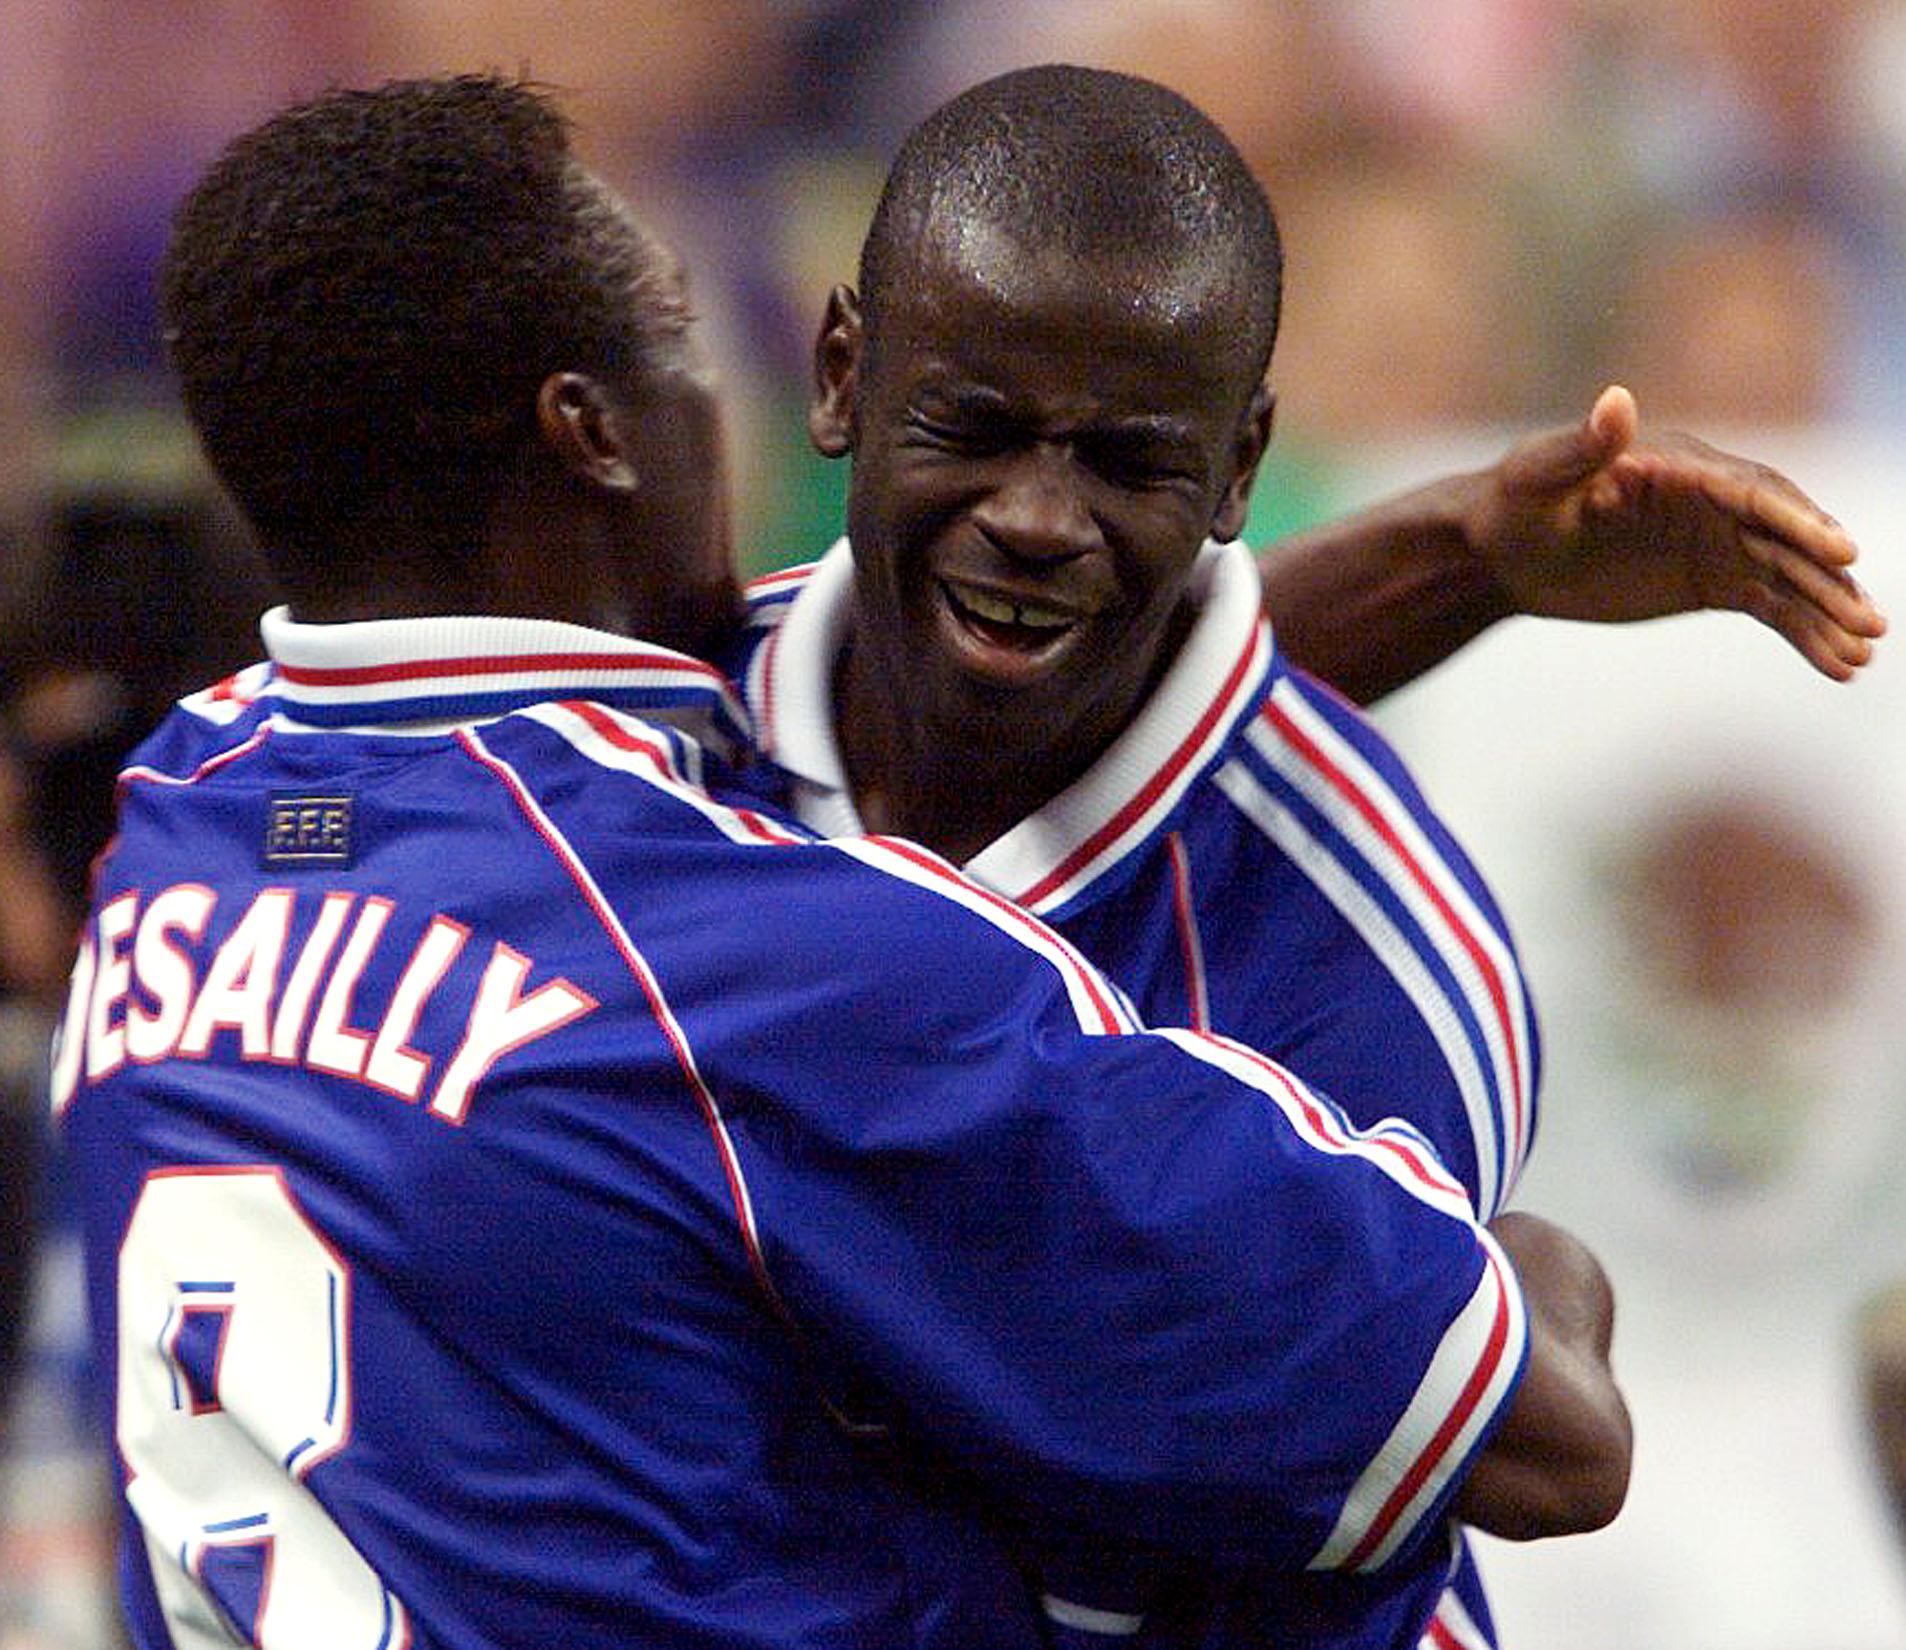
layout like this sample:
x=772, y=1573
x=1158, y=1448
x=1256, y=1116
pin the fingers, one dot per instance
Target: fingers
x=1833, y=592
x=1756, y=498
x=1550, y=464
x=1836, y=654
x=1781, y=509
x=1823, y=614
x=1833, y=651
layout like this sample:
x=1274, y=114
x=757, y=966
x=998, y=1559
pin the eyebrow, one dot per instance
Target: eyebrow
x=980, y=401
x=1160, y=429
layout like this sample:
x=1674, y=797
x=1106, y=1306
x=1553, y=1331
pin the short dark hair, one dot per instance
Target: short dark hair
x=362, y=296
x=1091, y=163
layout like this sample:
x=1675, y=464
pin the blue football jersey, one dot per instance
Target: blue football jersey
x=1251, y=857
x=534, y=1196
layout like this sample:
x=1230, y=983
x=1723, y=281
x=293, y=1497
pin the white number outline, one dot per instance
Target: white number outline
x=237, y=1236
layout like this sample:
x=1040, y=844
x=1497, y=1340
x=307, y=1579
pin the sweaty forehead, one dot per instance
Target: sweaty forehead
x=1043, y=338
x=971, y=263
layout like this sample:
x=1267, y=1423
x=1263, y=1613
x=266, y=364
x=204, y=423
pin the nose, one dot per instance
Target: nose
x=1037, y=510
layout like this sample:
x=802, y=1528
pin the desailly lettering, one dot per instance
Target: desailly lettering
x=136, y=996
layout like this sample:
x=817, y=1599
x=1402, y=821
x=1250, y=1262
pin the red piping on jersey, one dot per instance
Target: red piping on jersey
x=658, y=1006
x=1153, y=787
x=493, y=665
x=210, y=765
x=1197, y=998
x=615, y=733
x=1492, y=978
x=1458, y=1417
x=153, y=776
x=1327, y=1127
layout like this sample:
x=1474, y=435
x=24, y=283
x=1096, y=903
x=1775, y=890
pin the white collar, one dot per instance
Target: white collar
x=1049, y=858
x=398, y=673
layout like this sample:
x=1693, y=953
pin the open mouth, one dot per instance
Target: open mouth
x=1003, y=622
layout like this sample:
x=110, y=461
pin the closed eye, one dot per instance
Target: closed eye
x=1138, y=466
x=969, y=439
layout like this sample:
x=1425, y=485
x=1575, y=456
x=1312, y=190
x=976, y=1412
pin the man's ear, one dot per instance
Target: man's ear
x=1254, y=436
x=830, y=415
x=586, y=430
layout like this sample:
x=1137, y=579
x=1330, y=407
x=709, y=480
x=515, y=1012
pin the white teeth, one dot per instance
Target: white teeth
x=996, y=610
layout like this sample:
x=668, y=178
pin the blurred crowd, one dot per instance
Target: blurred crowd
x=1490, y=207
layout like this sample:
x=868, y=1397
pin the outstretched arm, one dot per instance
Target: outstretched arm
x=1587, y=522
x=1558, y=1464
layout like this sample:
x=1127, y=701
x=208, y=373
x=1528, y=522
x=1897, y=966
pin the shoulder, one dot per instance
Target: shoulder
x=619, y=779
x=633, y=802
x=1306, y=724
x=769, y=599
x=1314, y=762
x=204, y=730
x=232, y=698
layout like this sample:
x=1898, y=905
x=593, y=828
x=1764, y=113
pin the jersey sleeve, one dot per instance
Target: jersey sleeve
x=1139, y=1286
x=1132, y=1286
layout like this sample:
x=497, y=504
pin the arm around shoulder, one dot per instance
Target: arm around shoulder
x=1559, y=1462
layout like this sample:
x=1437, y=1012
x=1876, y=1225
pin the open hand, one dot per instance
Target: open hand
x=1593, y=522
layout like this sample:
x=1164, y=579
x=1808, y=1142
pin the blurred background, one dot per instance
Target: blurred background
x=1491, y=208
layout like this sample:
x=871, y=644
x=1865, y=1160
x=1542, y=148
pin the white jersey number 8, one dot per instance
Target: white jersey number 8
x=234, y=1381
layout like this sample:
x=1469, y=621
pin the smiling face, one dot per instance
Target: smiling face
x=1039, y=450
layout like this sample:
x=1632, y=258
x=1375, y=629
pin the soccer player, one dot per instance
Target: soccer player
x=1039, y=653
x=533, y=1197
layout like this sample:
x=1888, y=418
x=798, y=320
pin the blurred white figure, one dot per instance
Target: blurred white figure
x=1703, y=855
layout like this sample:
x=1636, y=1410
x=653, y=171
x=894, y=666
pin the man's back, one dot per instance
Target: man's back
x=408, y=1156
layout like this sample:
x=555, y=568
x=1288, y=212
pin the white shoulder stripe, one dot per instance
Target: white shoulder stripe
x=1439, y=897
x=1308, y=753
x=1402, y=1154
x=1471, y=1375
x=211, y=764
x=630, y=745
x=615, y=739
x=226, y=701
x=1453, y=1628
x=1387, y=942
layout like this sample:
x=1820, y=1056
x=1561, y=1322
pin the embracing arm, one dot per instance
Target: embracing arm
x=1587, y=522
x=1558, y=1464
